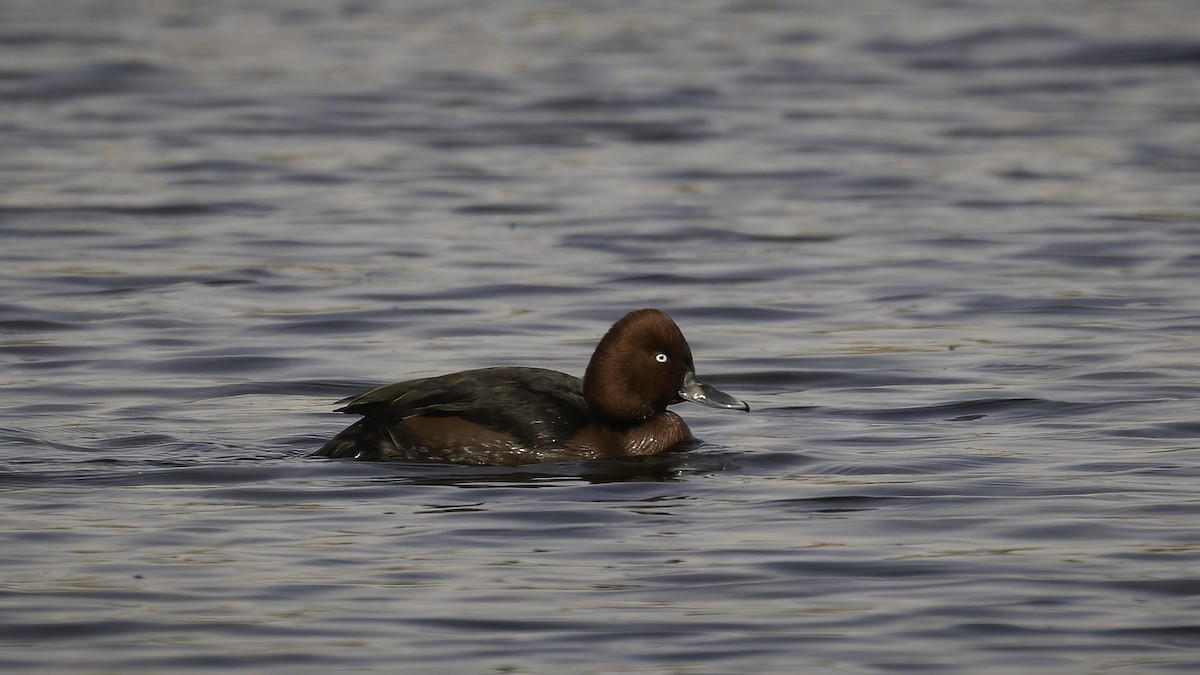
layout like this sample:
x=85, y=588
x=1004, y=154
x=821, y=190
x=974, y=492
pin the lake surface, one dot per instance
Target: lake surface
x=949, y=252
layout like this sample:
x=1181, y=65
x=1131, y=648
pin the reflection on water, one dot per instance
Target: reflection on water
x=946, y=252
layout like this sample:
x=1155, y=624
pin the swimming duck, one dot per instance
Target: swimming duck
x=517, y=415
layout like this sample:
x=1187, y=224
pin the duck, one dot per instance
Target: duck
x=514, y=415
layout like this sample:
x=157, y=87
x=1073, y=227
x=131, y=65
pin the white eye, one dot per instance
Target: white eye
x=660, y=357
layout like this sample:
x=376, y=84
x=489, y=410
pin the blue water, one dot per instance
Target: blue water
x=948, y=251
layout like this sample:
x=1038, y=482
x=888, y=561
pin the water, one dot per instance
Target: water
x=948, y=251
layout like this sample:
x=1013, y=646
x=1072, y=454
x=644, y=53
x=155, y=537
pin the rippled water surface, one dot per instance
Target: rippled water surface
x=948, y=251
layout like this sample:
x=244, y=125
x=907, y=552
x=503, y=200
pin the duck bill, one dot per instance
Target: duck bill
x=705, y=394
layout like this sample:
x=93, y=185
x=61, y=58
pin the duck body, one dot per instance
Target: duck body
x=519, y=415
x=503, y=415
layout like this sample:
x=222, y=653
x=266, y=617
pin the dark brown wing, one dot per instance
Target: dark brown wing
x=537, y=409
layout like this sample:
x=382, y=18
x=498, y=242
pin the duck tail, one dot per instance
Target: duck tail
x=364, y=439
